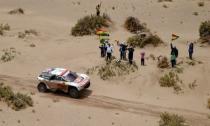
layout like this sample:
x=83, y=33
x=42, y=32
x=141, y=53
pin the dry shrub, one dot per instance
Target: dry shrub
x=208, y=104
x=17, y=11
x=195, y=13
x=89, y=24
x=133, y=25
x=4, y=27
x=165, y=0
x=179, y=69
x=141, y=41
x=1, y=32
x=193, y=85
x=15, y=100
x=204, y=29
x=167, y=119
x=163, y=62
x=191, y=63
x=8, y=54
x=165, y=6
x=27, y=33
x=170, y=80
x=201, y=4
x=112, y=69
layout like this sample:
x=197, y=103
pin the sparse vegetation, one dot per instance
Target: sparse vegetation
x=133, y=25
x=89, y=24
x=8, y=54
x=165, y=6
x=193, y=85
x=204, y=29
x=16, y=101
x=141, y=41
x=201, y=4
x=17, y=11
x=4, y=27
x=208, y=104
x=27, y=32
x=179, y=69
x=171, y=80
x=113, y=69
x=195, y=13
x=165, y=0
x=171, y=120
x=163, y=62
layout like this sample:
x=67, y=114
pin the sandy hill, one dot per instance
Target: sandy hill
x=136, y=99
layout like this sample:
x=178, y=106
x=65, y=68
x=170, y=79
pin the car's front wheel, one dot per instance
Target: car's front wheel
x=73, y=92
x=42, y=87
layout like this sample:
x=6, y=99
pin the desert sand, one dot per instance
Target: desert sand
x=136, y=99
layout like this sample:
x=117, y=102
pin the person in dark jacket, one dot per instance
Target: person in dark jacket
x=190, y=50
x=174, y=51
x=98, y=8
x=123, y=48
x=130, y=54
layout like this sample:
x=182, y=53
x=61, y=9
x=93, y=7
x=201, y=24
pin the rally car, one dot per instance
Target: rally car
x=64, y=80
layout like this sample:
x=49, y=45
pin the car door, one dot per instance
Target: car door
x=53, y=82
x=61, y=85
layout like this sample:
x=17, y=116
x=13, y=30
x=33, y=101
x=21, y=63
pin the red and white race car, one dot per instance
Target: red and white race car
x=64, y=80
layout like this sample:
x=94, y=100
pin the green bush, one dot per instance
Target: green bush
x=171, y=120
x=113, y=69
x=89, y=24
x=205, y=29
x=170, y=80
x=141, y=41
x=133, y=25
x=16, y=101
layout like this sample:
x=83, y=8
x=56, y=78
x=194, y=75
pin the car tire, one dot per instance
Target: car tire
x=42, y=87
x=74, y=93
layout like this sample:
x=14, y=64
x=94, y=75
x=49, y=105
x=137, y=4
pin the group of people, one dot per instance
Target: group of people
x=126, y=52
x=175, y=53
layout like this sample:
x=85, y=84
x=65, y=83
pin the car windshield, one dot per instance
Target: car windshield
x=71, y=76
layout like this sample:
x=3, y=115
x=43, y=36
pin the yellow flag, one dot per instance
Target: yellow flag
x=174, y=37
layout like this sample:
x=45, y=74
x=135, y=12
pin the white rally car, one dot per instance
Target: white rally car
x=64, y=80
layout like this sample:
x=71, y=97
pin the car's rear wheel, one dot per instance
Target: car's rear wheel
x=42, y=87
x=73, y=92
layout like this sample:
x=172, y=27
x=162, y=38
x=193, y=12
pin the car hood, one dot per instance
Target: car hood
x=81, y=78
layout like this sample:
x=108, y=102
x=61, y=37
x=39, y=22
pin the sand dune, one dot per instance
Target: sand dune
x=138, y=99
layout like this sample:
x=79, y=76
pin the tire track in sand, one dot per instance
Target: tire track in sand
x=194, y=117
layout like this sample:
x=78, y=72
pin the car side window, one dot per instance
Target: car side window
x=58, y=78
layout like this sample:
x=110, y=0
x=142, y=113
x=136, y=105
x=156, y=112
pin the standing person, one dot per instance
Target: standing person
x=142, y=58
x=101, y=46
x=122, y=50
x=174, y=51
x=130, y=54
x=173, y=60
x=98, y=7
x=190, y=50
x=109, y=52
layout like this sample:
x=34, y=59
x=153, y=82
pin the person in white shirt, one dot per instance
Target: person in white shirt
x=109, y=51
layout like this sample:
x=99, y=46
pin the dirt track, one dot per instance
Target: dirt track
x=195, y=118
